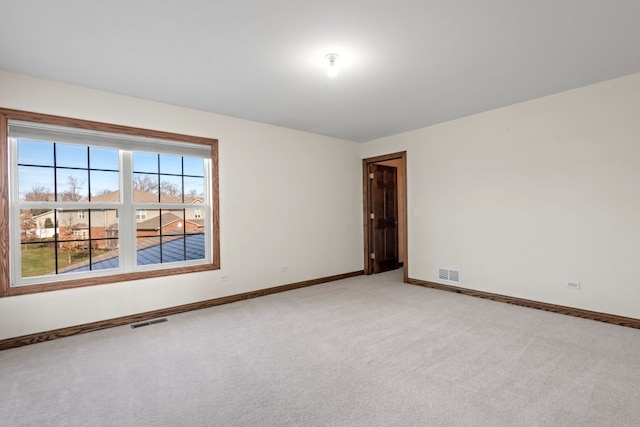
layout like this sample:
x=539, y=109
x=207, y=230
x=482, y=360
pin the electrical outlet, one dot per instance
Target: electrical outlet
x=225, y=278
x=284, y=269
x=573, y=285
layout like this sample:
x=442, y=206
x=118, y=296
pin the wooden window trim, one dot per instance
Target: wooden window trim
x=5, y=279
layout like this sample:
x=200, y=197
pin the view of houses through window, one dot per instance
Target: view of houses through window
x=79, y=213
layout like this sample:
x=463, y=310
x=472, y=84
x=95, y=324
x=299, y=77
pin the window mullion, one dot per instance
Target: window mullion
x=127, y=215
x=208, y=183
x=15, y=257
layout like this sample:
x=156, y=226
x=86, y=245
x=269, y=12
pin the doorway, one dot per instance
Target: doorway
x=385, y=213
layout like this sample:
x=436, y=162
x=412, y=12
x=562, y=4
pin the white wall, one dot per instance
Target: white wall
x=286, y=198
x=525, y=198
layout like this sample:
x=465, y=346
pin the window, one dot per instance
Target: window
x=93, y=203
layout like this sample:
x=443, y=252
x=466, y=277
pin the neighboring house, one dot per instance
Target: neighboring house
x=42, y=231
x=104, y=223
x=168, y=223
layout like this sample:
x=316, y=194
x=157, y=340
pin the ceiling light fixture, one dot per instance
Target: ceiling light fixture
x=332, y=71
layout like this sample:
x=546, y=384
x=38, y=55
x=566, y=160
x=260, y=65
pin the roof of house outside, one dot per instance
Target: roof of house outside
x=141, y=196
x=155, y=222
x=172, y=251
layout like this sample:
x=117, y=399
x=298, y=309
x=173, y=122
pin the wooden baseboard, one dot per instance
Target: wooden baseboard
x=569, y=311
x=135, y=318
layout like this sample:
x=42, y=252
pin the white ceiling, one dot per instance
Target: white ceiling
x=406, y=64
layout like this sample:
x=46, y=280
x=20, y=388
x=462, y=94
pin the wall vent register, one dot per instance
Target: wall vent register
x=449, y=275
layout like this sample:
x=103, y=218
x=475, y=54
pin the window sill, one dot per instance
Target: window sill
x=103, y=280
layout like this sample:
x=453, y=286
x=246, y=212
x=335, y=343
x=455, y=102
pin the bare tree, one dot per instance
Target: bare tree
x=102, y=192
x=145, y=183
x=66, y=244
x=74, y=185
x=27, y=226
x=38, y=193
x=169, y=189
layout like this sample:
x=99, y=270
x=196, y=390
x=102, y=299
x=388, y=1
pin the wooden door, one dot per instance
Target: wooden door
x=384, y=218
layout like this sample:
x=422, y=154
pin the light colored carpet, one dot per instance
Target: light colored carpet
x=366, y=351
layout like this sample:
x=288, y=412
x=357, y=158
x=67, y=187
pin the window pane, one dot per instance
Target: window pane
x=193, y=188
x=148, y=250
x=104, y=223
x=145, y=162
x=35, y=152
x=145, y=188
x=148, y=222
x=195, y=246
x=170, y=164
x=72, y=185
x=73, y=239
x=37, y=225
x=73, y=256
x=172, y=222
x=193, y=166
x=73, y=224
x=30, y=230
x=35, y=183
x=71, y=156
x=141, y=214
x=170, y=189
x=37, y=259
x=172, y=249
x=104, y=254
x=103, y=158
x=103, y=183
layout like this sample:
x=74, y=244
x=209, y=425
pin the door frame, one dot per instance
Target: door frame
x=366, y=209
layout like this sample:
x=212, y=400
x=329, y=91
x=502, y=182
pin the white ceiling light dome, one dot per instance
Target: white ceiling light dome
x=332, y=70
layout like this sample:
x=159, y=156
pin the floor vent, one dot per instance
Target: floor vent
x=449, y=275
x=150, y=322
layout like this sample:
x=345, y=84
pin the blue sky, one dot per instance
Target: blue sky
x=68, y=156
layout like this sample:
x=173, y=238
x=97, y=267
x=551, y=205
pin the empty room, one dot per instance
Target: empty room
x=288, y=213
